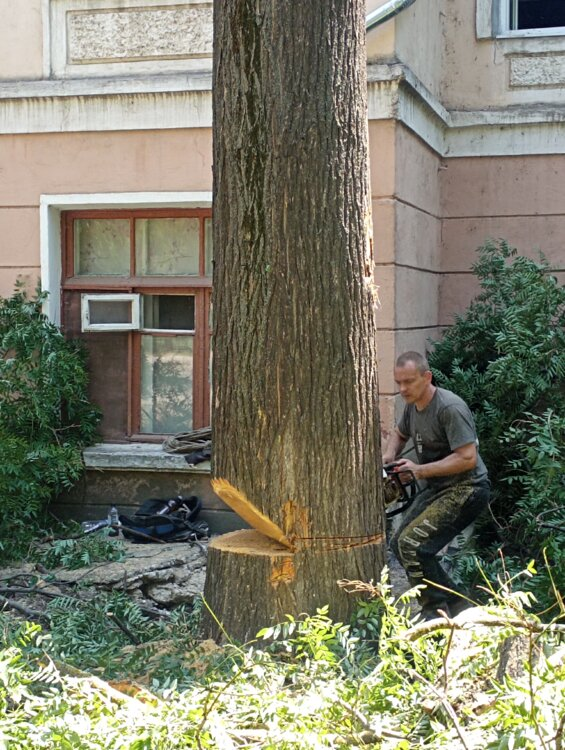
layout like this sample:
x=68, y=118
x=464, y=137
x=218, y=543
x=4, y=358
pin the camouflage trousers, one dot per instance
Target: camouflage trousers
x=432, y=521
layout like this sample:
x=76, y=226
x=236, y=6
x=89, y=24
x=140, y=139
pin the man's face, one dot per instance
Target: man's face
x=412, y=383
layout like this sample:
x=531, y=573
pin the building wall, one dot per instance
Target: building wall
x=419, y=42
x=407, y=241
x=21, y=40
x=414, y=37
x=380, y=42
x=484, y=69
x=520, y=199
x=71, y=163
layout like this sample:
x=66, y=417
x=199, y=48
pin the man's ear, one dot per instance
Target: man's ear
x=428, y=375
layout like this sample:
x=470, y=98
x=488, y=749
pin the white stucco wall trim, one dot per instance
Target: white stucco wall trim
x=89, y=38
x=65, y=107
x=395, y=93
x=493, y=21
x=51, y=206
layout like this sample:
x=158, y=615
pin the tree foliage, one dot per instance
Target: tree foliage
x=45, y=415
x=306, y=684
x=505, y=355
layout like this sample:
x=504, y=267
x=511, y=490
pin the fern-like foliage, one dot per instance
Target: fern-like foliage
x=505, y=355
x=45, y=414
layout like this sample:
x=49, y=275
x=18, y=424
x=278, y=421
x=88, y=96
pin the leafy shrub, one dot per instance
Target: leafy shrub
x=112, y=635
x=537, y=526
x=505, y=355
x=45, y=415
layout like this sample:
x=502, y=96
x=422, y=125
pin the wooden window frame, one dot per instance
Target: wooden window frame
x=200, y=286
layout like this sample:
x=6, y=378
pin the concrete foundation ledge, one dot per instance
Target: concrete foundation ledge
x=139, y=456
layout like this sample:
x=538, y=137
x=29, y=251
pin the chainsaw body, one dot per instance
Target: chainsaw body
x=399, y=488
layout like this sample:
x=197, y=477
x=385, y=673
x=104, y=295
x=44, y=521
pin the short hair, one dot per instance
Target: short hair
x=416, y=358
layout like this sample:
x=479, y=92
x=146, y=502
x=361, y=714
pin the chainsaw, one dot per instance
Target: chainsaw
x=399, y=489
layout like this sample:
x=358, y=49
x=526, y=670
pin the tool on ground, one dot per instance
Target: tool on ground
x=157, y=520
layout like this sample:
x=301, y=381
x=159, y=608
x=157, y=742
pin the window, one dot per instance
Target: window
x=536, y=14
x=110, y=312
x=136, y=288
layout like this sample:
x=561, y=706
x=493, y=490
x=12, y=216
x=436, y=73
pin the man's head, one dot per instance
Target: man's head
x=414, y=379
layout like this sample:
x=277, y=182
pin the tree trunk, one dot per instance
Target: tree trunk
x=295, y=410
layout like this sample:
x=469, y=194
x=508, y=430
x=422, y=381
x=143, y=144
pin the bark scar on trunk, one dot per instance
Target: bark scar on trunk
x=283, y=572
x=296, y=522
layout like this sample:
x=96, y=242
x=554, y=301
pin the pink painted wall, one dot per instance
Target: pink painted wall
x=168, y=160
x=21, y=40
x=520, y=199
x=407, y=240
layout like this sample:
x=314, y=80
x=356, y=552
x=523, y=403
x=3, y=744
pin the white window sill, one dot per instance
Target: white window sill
x=139, y=457
x=532, y=33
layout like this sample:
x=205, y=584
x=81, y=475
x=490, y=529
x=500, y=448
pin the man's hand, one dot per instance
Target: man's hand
x=404, y=465
x=462, y=459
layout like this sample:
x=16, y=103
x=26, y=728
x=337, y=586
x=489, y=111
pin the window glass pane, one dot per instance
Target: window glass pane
x=166, y=384
x=208, y=246
x=170, y=312
x=537, y=14
x=167, y=247
x=102, y=247
x=114, y=311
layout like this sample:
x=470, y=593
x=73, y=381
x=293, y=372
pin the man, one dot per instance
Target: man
x=443, y=432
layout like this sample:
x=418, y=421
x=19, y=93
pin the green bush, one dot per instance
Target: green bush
x=82, y=552
x=306, y=686
x=505, y=355
x=45, y=415
x=537, y=527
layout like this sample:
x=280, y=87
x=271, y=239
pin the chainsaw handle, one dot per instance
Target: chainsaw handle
x=407, y=498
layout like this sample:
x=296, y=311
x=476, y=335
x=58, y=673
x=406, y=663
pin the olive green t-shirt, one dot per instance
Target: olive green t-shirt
x=445, y=424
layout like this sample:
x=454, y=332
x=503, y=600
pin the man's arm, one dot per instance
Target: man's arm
x=394, y=446
x=462, y=459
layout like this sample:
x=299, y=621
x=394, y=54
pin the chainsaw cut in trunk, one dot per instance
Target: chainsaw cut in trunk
x=295, y=413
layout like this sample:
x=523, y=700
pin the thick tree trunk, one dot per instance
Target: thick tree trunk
x=295, y=414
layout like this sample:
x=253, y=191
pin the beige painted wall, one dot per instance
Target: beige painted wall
x=380, y=41
x=519, y=199
x=419, y=42
x=414, y=37
x=21, y=41
x=477, y=73
x=31, y=165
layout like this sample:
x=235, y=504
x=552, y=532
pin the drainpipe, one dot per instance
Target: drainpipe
x=385, y=12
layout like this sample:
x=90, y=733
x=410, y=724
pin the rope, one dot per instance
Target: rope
x=334, y=543
x=187, y=442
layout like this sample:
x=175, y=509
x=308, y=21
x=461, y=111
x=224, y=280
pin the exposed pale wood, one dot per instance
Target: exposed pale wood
x=246, y=510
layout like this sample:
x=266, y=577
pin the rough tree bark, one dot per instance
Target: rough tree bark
x=295, y=412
